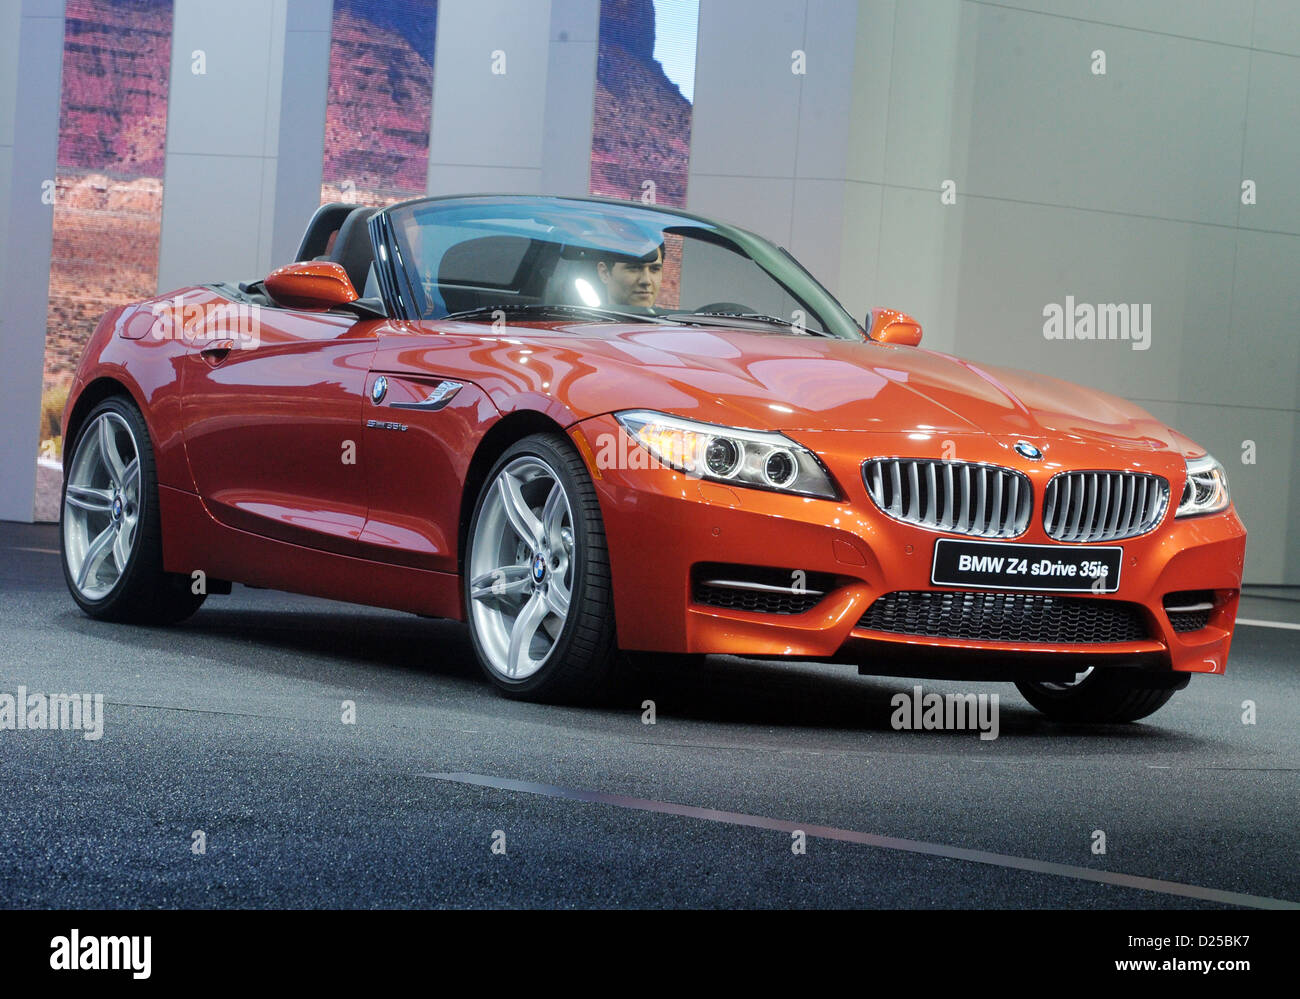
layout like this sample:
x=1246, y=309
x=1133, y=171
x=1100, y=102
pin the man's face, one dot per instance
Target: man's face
x=632, y=284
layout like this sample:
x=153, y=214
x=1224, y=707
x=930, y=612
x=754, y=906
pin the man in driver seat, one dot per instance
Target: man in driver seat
x=630, y=280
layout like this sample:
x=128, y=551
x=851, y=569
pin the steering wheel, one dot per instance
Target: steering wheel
x=722, y=307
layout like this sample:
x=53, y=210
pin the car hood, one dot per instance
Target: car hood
x=798, y=383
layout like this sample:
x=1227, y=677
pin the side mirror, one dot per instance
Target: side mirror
x=889, y=326
x=310, y=284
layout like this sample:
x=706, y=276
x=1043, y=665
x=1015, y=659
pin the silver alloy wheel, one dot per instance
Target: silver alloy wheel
x=101, y=506
x=521, y=567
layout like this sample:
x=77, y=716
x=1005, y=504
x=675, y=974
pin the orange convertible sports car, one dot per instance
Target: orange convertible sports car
x=591, y=428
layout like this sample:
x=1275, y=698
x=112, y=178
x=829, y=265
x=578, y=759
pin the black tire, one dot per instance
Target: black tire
x=581, y=663
x=1104, y=696
x=143, y=593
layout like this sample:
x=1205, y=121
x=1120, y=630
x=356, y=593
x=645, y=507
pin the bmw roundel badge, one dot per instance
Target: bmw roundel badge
x=1027, y=450
x=379, y=390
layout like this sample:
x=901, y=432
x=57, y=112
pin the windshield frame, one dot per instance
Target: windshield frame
x=401, y=291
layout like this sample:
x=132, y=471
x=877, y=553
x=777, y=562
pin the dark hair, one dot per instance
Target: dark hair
x=609, y=258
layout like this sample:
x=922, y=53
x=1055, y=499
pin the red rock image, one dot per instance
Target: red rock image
x=107, y=188
x=641, y=130
x=380, y=102
x=112, y=146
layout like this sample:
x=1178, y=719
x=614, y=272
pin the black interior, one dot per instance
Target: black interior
x=493, y=270
x=459, y=272
x=327, y=221
x=352, y=248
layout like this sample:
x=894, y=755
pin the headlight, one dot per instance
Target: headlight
x=727, y=454
x=1206, y=490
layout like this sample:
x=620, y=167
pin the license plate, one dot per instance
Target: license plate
x=998, y=566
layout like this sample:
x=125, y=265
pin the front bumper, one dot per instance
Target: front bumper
x=661, y=525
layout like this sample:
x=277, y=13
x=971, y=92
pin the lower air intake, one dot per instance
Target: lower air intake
x=758, y=602
x=1189, y=610
x=760, y=589
x=1006, y=617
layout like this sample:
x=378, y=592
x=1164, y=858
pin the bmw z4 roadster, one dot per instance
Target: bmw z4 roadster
x=594, y=429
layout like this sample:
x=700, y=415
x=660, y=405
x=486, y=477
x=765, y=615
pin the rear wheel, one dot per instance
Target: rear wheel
x=111, y=534
x=1104, y=695
x=537, y=576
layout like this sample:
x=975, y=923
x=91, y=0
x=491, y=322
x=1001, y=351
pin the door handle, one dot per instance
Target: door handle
x=217, y=352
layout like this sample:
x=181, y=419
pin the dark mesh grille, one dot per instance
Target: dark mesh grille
x=1006, y=617
x=1189, y=620
x=752, y=600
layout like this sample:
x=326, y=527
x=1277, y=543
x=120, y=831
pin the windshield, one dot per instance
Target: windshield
x=473, y=257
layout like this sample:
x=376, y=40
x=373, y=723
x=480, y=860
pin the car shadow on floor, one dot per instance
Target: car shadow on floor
x=412, y=654
x=323, y=642
x=818, y=695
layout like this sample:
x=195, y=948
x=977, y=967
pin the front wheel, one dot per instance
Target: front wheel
x=111, y=533
x=537, y=578
x=1104, y=695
